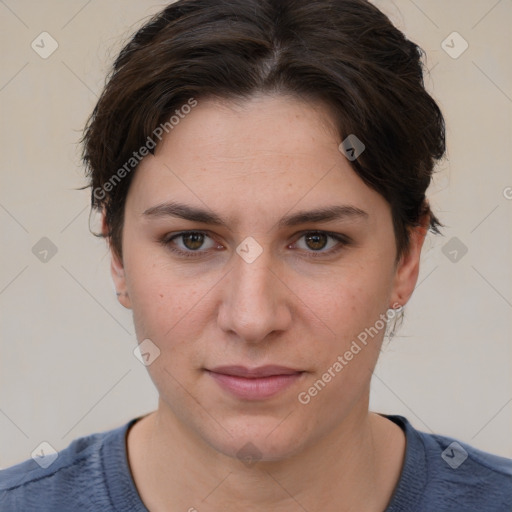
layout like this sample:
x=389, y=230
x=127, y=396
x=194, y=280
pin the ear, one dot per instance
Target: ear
x=117, y=270
x=408, y=267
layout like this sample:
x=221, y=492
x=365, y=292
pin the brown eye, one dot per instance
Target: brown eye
x=193, y=241
x=192, y=244
x=316, y=241
x=317, y=244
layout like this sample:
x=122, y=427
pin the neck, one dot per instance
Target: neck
x=349, y=469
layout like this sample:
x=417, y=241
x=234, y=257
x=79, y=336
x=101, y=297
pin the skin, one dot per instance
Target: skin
x=252, y=163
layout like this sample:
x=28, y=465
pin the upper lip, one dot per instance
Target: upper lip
x=261, y=371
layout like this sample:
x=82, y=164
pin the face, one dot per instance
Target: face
x=262, y=267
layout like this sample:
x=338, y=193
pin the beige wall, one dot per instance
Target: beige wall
x=67, y=367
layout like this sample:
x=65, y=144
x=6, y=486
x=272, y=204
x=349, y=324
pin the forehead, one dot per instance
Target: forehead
x=258, y=128
x=254, y=156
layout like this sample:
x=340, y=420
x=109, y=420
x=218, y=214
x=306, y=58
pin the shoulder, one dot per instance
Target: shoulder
x=441, y=473
x=461, y=469
x=71, y=479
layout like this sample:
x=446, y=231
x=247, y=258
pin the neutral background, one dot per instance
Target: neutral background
x=67, y=368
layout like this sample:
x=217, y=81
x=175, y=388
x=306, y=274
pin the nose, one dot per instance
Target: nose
x=255, y=302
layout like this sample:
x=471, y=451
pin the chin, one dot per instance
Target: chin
x=257, y=439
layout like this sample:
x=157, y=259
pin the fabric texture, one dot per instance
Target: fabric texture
x=92, y=474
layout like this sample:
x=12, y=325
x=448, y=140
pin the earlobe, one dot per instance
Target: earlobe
x=408, y=267
x=119, y=278
x=116, y=266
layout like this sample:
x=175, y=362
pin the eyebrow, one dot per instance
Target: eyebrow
x=195, y=214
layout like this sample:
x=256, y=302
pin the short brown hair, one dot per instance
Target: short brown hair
x=345, y=53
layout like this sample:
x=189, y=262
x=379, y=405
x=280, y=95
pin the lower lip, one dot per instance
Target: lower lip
x=256, y=388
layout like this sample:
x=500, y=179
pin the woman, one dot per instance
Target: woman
x=261, y=168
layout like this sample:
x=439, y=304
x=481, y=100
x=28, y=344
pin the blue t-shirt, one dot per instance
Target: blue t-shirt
x=92, y=473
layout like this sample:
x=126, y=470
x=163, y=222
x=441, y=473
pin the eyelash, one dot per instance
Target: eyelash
x=342, y=240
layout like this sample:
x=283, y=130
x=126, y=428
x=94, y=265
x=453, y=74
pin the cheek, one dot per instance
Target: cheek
x=173, y=311
x=161, y=302
x=347, y=300
x=354, y=315
x=351, y=306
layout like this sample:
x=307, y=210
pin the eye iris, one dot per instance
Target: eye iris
x=193, y=241
x=318, y=241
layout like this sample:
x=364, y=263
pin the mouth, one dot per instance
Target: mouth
x=254, y=383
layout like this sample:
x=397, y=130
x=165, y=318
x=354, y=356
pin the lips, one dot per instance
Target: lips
x=254, y=373
x=254, y=383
